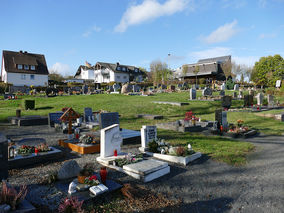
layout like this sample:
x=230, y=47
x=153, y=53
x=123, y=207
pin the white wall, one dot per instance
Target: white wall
x=3, y=72
x=16, y=79
x=87, y=74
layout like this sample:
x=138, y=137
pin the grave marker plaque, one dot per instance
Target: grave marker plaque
x=226, y=101
x=192, y=94
x=108, y=119
x=54, y=118
x=88, y=114
x=148, y=134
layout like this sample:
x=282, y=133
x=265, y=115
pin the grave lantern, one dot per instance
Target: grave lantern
x=11, y=152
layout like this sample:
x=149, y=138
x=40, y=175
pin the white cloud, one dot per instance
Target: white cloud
x=267, y=35
x=248, y=60
x=211, y=53
x=91, y=30
x=63, y=69
x=222, y=33
x=236, y=4
x=149, y=10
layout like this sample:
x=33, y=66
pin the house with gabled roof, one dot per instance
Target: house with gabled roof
x=210, y=68
x=24, y=69
x=103, y=72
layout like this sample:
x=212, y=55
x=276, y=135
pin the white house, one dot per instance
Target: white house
x=107, y=72
x=24, y=69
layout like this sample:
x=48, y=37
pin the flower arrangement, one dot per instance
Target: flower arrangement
x=27, y=150
x=86, y=139
x=10, y=196
x=189, y=116
x=240, y=128
x=92, y=180
x=43, y=147
x=71, y=205
x=128, y=159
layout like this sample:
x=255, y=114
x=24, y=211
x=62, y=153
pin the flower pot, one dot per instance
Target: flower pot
x=81, y=178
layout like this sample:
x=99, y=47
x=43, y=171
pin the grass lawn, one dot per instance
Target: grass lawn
x=128, y=107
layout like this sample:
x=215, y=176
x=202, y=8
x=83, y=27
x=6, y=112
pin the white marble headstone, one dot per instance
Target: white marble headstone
x=148, y=134
x=111, y=140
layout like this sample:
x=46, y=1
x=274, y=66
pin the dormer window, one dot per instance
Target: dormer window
x=118, y=68
x=20, y=66
x=26, y=67
x=123, y=69
x=32, y=67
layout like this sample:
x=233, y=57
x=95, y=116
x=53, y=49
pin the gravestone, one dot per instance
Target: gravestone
x=88, y=115
x=185, y=85
x=163, y=86
x=226, y=101
x=54, y=118
x=207, y=91
x=223, y=86
x=259, y=98
x=172, y=87
x=192, y=94
x=148, y=134
x=68, y=170
x=111, y=140
x=278, y=84
x=251, y=92
x=240, y=94
x=3, y=157
x=222, y=93
x=270, y=100
x=179, y=86
x=234, y=94
x=248, y=100
x=108, y=119
x=236, y=87
x=221, y=118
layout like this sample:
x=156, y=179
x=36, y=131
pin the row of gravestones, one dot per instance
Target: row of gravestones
x=104, y=119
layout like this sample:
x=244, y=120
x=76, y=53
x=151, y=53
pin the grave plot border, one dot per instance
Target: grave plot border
x=23, y=161
x=80, y=149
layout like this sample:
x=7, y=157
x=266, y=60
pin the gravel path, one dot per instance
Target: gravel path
x=204, y=186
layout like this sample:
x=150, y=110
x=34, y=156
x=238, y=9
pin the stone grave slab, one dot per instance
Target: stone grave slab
x=30, y=120
x=171, y=103
x=130, y=136
x=20, y=161
x=108, y=119
x=3, y=157
x=54, y=118
x=175, y=159
x=150, y=117
x=147, y=170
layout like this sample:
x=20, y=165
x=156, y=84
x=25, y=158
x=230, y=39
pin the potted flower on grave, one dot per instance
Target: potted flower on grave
x=87, y=171
x=92, y=180
x=128, y=159
x=25, y=150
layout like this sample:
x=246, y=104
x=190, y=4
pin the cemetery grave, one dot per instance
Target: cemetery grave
x=30, y=151
x=171, y=103
x=151, y=146
x=151, y=117
x=135, y=166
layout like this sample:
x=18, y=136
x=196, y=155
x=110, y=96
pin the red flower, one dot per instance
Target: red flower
x=93, y=177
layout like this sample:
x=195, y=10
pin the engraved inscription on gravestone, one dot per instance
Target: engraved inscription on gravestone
x=148, y=134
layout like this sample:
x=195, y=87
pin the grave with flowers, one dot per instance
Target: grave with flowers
x=30, y=151
x=190, y=123
x=133, y=165
x=158, y=148
x=240, y=130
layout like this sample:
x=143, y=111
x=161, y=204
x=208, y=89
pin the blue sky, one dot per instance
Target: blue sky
x=137, y=32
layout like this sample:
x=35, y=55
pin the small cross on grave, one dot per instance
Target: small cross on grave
x=68, y=116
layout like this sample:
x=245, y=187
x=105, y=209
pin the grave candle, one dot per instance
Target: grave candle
x=103, y=174
x=36, y=151
x=115, y=152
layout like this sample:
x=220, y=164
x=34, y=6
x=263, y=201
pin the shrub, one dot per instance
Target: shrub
x=11, y=197
x=153, y=146
x=29, y=104
x=71, y=204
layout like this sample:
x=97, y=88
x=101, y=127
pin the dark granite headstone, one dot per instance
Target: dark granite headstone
x=88, y=114
x=226, y=101
x=54, y=118
x=248, y=100
x=108, y=119
x=3, y=157
x=218, y=115
x=192, y=94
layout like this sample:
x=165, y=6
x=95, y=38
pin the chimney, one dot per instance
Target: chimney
x=21, y=51
x=117, y=63
x=25, y=52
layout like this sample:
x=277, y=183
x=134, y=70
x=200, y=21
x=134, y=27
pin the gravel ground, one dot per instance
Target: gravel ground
x=203, y=186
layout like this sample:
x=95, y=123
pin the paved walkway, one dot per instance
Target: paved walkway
x=208, y=186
